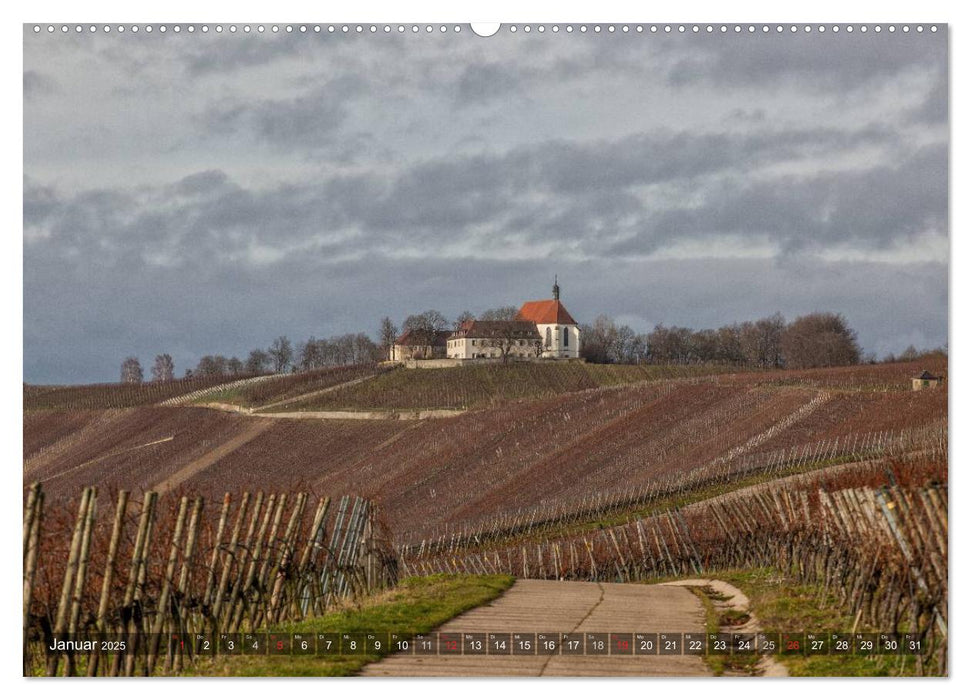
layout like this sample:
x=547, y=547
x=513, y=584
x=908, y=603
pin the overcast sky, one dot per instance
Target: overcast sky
x=198, y=194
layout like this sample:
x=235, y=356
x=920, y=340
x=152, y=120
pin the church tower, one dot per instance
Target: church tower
x=557, y=328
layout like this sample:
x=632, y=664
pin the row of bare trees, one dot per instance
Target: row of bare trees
x=819, y=339
x=281, y=356
x=163, y=370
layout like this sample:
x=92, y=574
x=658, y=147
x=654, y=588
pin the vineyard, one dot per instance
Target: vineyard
x=892, y=376
x=95, y=396
x=554, y=516
x=166, y=568
x=837, y=476
x=480, y=386
x=611, y=443
x=875, y=536
x=283, y=388
x=386, y=387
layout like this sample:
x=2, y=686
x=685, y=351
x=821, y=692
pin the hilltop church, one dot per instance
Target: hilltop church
x=542, y=329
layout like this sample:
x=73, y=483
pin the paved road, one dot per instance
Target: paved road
x=567, y=606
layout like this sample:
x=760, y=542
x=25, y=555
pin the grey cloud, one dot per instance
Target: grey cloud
x=40, y=202
x=204, y=194
x=803, y=60
x=201, y=184
x=575, y=190
x=191, y=312
x=301, y=122
x=306, y=121
x=585, y=195
x=645, y=159
x=484, y=82
x=878, y=206
x=232, y=54
x=934, y=107
x=37, y=83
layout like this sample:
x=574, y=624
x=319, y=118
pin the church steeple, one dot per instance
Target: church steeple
x=556, y=289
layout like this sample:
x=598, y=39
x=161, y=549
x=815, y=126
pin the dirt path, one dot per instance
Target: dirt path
x=212, y=456
x=403, y=415
x=567, y=606
x=194, y=396
x=315, y=394
x=394, y=414
x=731, y=598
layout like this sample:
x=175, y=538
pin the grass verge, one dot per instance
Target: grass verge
x=415, y=606
x=786, y=606
x=716, y=620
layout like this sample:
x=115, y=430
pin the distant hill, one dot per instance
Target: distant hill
x=477, y=386
x=115, y=395
x=564, y=443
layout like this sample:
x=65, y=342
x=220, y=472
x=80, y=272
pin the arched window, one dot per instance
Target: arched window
x=549, y=338
x=566, y=337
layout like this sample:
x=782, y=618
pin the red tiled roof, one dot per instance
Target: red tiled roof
x=545, y=311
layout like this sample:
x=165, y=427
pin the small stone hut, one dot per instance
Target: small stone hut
x=925, y=380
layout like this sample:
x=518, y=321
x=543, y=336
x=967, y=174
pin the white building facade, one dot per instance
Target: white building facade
x=475, y=340
x=559, y=332
x=560, y=340
x=541, y=329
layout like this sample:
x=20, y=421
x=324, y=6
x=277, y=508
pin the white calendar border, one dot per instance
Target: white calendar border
x=547, y=11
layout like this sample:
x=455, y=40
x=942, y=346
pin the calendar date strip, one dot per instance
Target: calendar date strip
x=500, y=644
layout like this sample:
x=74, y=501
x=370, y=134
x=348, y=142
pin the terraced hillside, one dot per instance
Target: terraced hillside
x=559, y=445
x=287, y=387
x=93, y=396
x=479, y=386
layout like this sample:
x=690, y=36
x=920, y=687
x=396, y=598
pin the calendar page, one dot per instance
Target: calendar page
x=455, y=350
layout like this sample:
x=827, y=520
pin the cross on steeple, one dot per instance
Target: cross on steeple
x=556, y=289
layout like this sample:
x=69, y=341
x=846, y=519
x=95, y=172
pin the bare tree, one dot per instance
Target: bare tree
x=310, y=354
x=131, y=371
x=536, y=346
x=430, y=320
x=212, y=366
x=599, y=339
x=729, y=349
x=510, y=338
x=281, y=352
x=909, y=354
x=604, y=341
x=425, y=327
x=761, y=342
x=820, y=340
x=164, y=369
x=234, y=365
x=502, y=313
x=462, y=318
x=258, y=362
x=364, y=349
x=387, y=334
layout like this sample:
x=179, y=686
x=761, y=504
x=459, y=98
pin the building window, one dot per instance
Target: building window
x=473, y=342
x=549, y=338
x=566, y=337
